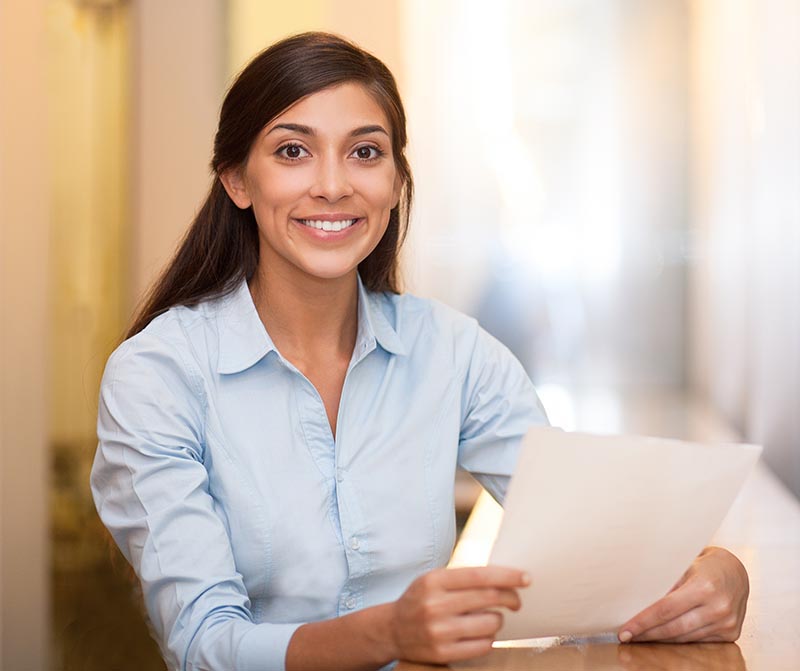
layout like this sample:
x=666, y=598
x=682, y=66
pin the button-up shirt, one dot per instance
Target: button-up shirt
x=219, y=477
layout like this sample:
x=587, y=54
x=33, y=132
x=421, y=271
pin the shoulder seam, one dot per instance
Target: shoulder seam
x=193, y=374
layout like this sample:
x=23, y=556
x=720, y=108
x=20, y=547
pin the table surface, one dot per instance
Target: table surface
x=762, y=529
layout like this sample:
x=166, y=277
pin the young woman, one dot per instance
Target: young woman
x=279, y=434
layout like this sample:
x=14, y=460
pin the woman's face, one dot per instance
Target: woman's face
x=321, y=179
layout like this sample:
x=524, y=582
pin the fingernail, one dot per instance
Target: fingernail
x=625, y=636
x=526, y=579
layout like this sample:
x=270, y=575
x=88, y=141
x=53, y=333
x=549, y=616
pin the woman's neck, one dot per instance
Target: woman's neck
x=308, y=318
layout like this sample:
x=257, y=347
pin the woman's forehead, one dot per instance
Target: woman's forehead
x=336, y=110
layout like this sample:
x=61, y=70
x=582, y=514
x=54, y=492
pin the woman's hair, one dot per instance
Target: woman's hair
x=221, y=246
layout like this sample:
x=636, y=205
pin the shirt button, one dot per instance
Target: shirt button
x=339, y=476
x=354, y=543
x=350, y=603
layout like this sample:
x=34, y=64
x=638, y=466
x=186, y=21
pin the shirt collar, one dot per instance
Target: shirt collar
x=373, y=324
x=243, y=340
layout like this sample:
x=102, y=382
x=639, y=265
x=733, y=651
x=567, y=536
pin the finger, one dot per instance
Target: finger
x=468, y=600
x=703, y=635
x=700, y=624
x=710, y=633
x=473, y=625
x=673, y=605
x=464, y=649
x=482, y=576
x=692, y=620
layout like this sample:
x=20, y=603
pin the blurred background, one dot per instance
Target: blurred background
x=612, y=187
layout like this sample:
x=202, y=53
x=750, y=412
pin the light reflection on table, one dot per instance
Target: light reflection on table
x=572, y=654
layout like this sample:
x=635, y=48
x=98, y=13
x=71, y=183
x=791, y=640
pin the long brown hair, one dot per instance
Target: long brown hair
x=221, y=246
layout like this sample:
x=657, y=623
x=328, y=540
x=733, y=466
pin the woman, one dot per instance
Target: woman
x=278, y=436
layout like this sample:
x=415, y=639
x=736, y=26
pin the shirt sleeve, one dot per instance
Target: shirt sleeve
x=151, y=490
x=499, y=405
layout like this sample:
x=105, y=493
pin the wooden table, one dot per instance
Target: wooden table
x=762, y=529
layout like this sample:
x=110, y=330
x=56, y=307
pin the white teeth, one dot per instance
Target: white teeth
x=329, y=225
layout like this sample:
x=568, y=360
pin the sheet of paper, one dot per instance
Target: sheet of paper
x=606, y=525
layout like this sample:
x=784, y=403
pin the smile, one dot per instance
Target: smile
x=328, y=225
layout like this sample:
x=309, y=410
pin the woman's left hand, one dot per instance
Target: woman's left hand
x=707, y=604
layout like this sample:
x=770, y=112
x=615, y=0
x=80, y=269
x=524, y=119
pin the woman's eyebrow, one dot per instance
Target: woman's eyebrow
x=307, y=130
x=366, y=130
x=295, y=127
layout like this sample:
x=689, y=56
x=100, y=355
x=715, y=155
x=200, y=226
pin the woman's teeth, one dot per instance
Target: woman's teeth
x=328, y=225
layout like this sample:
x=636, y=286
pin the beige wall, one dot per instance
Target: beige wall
x=24, y=254
x=176, y=95
x=253, y=26
x=88, y=89
x=376, y=26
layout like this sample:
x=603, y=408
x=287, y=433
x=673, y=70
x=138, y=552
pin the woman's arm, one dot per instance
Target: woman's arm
x=444, y=616
x=499, y=402
x=151, y=489
x=499, y=405
x=707, y=604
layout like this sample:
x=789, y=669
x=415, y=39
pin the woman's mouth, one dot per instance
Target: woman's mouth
x=334, y=226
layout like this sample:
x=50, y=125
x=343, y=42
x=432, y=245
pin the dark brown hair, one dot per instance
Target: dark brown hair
x=221, y=246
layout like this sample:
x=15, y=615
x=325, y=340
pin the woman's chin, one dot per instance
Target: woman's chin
x=330, y=272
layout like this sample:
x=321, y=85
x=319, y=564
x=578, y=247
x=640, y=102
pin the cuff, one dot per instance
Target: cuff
x=263, y=648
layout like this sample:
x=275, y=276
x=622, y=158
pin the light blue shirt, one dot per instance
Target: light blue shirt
x=220, y=480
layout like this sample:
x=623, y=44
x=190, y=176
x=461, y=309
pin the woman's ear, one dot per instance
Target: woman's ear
x=397, y=189
x=233, y=181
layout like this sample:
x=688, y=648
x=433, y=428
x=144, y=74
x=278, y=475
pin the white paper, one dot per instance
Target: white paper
x=605, y=525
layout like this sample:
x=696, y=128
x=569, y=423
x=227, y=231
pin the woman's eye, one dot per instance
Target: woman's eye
x=292, y=152
x=368, y=153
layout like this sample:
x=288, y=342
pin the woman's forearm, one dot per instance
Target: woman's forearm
x=445, y=615
x=360, y=641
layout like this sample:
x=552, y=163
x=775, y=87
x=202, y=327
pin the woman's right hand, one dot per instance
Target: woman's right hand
x=448, y=615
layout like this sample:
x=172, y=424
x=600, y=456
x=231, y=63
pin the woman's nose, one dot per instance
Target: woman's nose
x=331, y=180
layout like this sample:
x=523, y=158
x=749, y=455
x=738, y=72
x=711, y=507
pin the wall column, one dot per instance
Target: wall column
x=24, y=277
x=179, y=77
